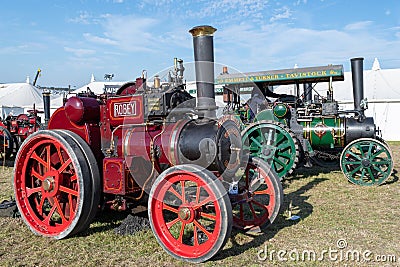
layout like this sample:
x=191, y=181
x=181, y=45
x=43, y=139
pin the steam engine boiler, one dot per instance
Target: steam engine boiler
x=147, y=143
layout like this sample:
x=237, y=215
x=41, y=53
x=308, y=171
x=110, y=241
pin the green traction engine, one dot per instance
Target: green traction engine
x=306, y=129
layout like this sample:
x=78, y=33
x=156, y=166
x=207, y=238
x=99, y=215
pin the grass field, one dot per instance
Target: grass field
x=339, y=222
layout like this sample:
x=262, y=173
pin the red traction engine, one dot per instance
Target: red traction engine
x=147, y=144
x=15, y=129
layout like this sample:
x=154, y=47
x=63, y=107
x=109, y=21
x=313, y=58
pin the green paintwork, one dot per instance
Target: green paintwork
x=366, y=162
x=273, y=144
x=285, y=76
x=324, y=132
x=268, y=115
x=280, y=110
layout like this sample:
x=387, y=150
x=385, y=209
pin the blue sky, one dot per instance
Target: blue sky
x=70, y=40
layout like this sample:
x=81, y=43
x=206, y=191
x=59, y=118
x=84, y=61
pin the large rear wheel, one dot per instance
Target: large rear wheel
x=190, y=213
x=274, y=143
x=94, y=174
x=51, y=184
x=259, y=198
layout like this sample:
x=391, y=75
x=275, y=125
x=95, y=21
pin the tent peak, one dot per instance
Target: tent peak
x=92, y=79
x=376, y=65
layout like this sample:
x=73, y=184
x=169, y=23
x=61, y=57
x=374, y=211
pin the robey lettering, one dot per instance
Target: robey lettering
x=124, y=109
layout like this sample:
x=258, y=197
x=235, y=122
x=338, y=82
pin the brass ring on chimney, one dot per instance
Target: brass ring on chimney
x=204, y=30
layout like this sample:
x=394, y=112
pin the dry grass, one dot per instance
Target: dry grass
x=330, y=209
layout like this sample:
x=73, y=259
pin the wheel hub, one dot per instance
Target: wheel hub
x=184, y=213
x=48, y=184
x=366, y=163
x=268, y=151
x=187, y=214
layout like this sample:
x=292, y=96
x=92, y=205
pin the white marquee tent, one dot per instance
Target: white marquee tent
x=94, y=86
x=17, y=97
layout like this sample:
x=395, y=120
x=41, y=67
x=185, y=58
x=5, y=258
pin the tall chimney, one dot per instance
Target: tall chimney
x=307, y=92
x=358, y=83
x=204, y=65
x=46, y=105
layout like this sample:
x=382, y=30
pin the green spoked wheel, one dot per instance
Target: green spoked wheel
x=366, y=162
x=274, y=143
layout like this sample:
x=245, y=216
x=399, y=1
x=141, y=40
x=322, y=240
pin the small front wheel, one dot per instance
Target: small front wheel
x=366, y=162
x=190, y=213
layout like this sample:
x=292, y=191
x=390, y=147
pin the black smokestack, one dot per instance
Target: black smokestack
x=358, y=83
x=46, y=105
x=204, y=65
x=307, y=92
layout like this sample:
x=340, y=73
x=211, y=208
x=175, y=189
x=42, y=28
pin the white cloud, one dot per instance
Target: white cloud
x=215, y=10
x=360, y=25
x=282, y=13
x=99, y=40
x=23, y=48
x=83, y=18
x=299, y=2
x=79, y=52
x=277, y=46
x=129, y=33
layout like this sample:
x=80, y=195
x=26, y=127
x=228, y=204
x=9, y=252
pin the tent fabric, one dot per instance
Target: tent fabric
x=95, y=87
x=20, y=95
x=378, y=84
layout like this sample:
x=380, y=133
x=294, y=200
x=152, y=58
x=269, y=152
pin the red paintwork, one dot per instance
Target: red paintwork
x=165, y=137
x=125, y=110
x=117, y=179
x=35, y=167
x=60, y=120
x=90, y=132
x=165, y=226
x=246, y=201
x=82, y=110
x=127, y=89
x=22, y=126
x=120, y=118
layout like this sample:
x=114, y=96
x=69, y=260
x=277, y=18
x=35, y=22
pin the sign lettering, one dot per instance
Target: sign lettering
x=304, y=73
x=125, y=109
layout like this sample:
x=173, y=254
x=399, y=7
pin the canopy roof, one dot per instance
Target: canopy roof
x=285, y=76
x=95, y=87
x=20, y=95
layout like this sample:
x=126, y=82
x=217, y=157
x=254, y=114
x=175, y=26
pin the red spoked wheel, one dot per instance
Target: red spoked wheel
x=259, y=197
x=51, y=185
x=190, y=213
x=95, y=185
